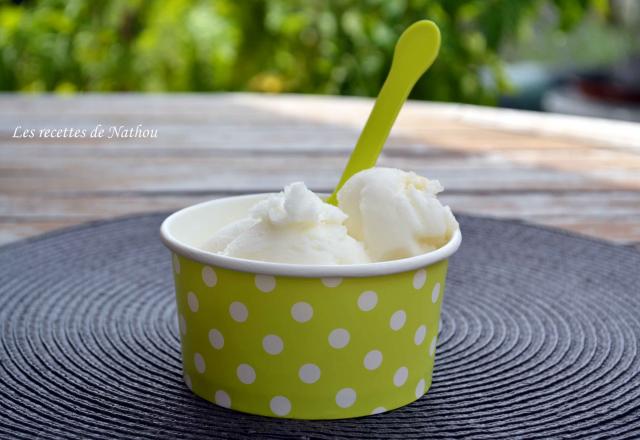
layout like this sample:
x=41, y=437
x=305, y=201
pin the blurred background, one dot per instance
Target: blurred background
x=569, y=56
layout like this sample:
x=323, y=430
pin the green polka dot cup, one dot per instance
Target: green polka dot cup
x=301, y=341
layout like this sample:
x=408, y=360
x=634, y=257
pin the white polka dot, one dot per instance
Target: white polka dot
x=309, y=373
x=373, y=359
x=209, y=276
x=367, y=300
x=302, y=311
x=346, y=397
x=420, y=389
x=400, y=376
x=280, y=406
x=332, y=282
x=432, y=347
x=176, y=264
x=192, y=300
x=419, y=278
x=222, y=398
x=339, y=338
x=198, y=360
x=435, y=293
x=238, y=311
x=397, y=320
x=379, y=410
x=216, y=339
x=265, y=283
x=418, y=338
x=183, y=324
x=272, y=344
x=187, y=381
x=246, y=373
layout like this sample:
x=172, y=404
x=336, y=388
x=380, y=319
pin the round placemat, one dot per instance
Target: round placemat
x=540, y=339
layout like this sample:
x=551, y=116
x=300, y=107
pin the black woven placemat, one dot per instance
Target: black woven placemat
x=540, y=339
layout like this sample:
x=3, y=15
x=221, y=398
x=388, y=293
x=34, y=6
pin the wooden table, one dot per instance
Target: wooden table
x=573, y=173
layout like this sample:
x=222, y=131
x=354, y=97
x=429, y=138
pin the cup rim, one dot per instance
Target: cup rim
x=300, y=270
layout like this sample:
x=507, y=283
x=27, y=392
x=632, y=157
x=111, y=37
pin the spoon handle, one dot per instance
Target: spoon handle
x=415, y=51
x=376, y=130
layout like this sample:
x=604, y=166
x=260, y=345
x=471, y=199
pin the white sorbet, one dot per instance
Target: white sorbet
x=294, y=226
x=395, y=213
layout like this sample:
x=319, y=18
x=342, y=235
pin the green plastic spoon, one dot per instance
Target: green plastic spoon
x=415, y=51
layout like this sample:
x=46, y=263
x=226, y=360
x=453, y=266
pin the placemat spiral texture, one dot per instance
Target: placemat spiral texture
x=540, y=339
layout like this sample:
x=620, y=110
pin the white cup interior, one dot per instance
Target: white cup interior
x=197, y=223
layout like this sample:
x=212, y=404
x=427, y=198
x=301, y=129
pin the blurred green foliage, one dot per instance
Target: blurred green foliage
x=308, y=46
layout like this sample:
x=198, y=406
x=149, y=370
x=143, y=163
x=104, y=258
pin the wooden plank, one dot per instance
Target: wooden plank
x=15, y=229
x=219, y=173
x=606, y=204
x=316, y=108
x=623, y=230
x=533, y=125
x=607, y=215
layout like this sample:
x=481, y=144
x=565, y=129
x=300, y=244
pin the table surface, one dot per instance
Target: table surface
x=578, y=174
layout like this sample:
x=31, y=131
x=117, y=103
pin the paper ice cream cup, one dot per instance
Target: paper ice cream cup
x=301, y=341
